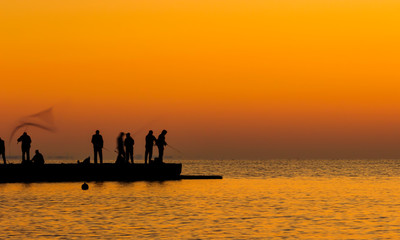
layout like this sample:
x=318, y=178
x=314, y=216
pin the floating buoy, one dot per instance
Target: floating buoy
x=85, y=186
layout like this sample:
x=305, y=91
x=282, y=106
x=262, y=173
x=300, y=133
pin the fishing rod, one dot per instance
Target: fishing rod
x=145, y=126
x=173, y=148
x=108, y=149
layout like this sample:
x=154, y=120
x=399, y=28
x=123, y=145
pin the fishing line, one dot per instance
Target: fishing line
x=174, y=149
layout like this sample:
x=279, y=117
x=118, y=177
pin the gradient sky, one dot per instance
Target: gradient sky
x=227, y=79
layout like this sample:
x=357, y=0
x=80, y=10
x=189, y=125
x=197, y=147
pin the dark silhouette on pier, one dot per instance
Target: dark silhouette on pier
x=150, y=140
x=129, y=142
x=26, y=141
x=161, y=143
x=3, y=150
x=120, y=145
x=85, y=161
x=38, y=158
x=97, y=141
x=36, y=170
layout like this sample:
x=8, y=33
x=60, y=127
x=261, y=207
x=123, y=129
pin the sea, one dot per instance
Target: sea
x=256, y=199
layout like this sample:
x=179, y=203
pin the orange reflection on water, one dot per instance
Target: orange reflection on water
x=306, y=208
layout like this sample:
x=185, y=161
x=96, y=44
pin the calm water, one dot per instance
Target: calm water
x=265, y=199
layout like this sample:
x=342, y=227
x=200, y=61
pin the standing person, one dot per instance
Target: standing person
x=160, y=144
x=129, y=142
x=3, y=150
x=25, y=146
x=97, y=141
x=150, y=139
x=120, y=145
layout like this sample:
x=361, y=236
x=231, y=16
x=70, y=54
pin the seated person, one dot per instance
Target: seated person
x=38, y=158
x=86, y=161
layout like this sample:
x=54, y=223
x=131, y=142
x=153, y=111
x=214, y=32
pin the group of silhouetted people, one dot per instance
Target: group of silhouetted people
x=160, y=143
x=125, y=147
x=26, y=141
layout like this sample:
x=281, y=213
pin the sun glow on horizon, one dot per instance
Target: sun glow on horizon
x=228, y=79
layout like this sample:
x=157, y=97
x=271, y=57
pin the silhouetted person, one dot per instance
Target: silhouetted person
x=129, y=142
x=86, y=161
x=38, y=158
x=97, y=141
x=25, y=146
x=120, y=145
x=3, y=150
x=161, y=144
x=150, y=139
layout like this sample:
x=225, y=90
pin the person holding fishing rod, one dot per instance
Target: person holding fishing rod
x=150, y=140
x=129, y=142
x=161, y=143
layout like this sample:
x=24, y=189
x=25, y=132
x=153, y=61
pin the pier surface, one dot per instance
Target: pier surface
x=94, y=172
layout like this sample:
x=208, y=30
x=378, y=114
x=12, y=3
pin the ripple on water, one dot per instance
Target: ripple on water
x=281, y=199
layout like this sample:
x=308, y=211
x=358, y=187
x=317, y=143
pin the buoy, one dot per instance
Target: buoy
x=85, y=186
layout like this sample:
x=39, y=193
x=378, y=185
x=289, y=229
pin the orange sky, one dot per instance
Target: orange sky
x=227, y=79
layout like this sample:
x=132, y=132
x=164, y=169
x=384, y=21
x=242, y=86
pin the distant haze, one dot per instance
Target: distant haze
x=227, y=79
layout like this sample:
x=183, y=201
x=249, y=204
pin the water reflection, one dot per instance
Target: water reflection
x=305, y=199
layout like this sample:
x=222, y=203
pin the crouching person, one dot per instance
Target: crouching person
x=38, y=158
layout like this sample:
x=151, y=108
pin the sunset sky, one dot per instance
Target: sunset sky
x=228, y=79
